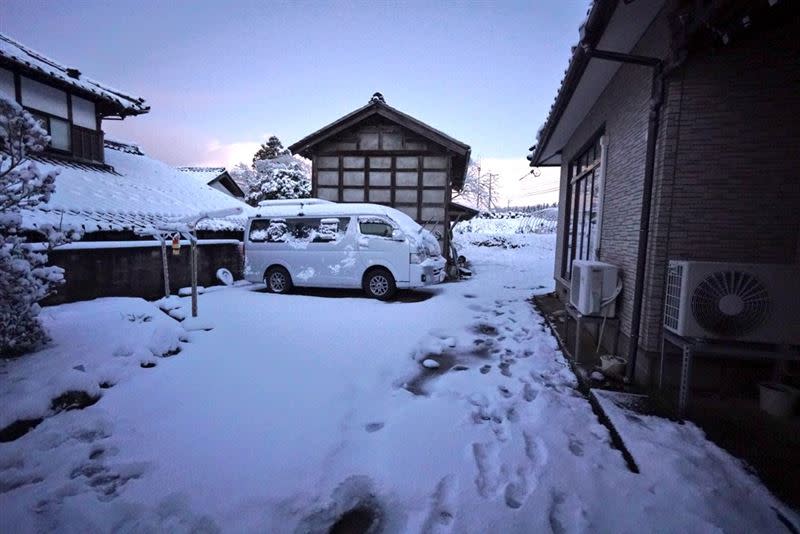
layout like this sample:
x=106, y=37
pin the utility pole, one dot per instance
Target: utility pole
x=491, y=176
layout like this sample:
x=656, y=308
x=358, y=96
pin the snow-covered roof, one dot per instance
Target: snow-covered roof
x=18, y=54
x=205, y=175
x=136, y=191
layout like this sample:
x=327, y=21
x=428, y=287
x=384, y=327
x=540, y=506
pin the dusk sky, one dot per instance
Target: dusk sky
x=221, y=77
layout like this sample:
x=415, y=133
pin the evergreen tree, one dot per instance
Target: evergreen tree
x=25, y=278
x=270, y=150
x=277, y=178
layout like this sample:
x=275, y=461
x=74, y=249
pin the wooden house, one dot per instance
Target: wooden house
x=380, y=155
x=111, y=191
x=70, y=106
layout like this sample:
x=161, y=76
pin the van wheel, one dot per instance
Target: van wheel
x=278, y=280
x=379, y=284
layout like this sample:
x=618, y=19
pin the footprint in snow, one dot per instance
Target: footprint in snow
x=529, y=393
x=441, y=514
x=575, y=445
x=490, y=475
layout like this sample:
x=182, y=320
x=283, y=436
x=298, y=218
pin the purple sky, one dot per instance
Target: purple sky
x=219, y=77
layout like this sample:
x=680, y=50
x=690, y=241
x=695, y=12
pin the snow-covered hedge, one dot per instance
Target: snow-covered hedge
x=543, y=221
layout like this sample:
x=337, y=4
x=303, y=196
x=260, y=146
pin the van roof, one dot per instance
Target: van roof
x=293, y=202
x=334, y=209
x=293, y=210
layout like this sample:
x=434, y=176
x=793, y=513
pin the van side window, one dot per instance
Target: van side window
x=277, y=231
x=374, y=226
x=258, y=230
x=331, y=229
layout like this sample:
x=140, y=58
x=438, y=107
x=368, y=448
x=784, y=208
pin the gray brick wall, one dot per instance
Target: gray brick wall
x=622, y=111
x=729, y=174
x=727, y=180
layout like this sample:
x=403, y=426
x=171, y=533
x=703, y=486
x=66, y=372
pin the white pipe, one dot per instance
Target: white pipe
x=601, y=195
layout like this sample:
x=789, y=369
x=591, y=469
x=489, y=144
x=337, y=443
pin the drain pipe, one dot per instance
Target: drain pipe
x=656, y=99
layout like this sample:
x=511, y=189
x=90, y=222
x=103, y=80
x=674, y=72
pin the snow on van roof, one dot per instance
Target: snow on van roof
x=330, y=209
x=293, y=202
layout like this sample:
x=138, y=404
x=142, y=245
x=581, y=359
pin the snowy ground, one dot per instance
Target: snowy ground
x=295, y=409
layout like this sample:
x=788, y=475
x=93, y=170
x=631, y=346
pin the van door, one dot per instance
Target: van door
x=376, y=247
x=334, y=247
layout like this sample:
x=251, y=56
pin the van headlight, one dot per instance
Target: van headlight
x=415, y=258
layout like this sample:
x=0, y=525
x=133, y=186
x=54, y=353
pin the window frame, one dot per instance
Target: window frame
x=582, y=196
x=383, y=220
x=85, y=144
x=45, y=119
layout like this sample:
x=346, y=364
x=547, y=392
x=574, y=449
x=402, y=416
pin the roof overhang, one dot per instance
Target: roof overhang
x=610, y=25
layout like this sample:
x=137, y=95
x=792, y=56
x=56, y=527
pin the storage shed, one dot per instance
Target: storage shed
x=380, y=155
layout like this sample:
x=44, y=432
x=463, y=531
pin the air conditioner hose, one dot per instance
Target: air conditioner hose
x=612, y=298
x=603, y=304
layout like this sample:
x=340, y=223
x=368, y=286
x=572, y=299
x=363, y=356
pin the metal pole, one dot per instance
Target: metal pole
x=164, y=264
x=193, y=241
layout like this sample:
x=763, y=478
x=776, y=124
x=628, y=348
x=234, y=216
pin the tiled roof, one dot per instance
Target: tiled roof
x=205, y=175
x=133, y=191
x=20, y=54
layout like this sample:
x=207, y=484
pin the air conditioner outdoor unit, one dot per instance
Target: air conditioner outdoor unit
x=757, y=303
x=593, y=283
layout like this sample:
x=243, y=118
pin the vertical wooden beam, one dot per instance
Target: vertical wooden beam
x=366, y=178
x=393, y=176
x=341, y=178
x=420, y=161
x=448, y=194
x=314, y=176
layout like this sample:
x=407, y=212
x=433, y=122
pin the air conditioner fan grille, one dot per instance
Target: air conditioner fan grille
x=730, y=303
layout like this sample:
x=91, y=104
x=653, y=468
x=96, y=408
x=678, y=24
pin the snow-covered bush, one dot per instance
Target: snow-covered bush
x=24, y=277
x=281, y=177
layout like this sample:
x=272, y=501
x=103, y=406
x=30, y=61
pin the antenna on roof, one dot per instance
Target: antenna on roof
x=377, y=97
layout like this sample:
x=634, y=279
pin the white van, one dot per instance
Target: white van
x=325, y=244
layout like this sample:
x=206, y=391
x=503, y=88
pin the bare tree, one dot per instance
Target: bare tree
x=480, y=188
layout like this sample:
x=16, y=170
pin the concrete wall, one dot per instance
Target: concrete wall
x=137, y=272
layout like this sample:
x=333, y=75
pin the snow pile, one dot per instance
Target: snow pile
x=139, y=191
x=97, y=342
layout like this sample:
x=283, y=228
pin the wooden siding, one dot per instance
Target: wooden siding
x=381, y=162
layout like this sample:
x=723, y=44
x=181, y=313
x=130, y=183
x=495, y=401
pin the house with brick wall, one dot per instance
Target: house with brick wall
x=111, y=191
x=676, y=129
